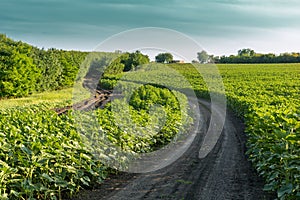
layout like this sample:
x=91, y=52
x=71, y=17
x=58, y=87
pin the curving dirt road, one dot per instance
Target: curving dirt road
x=224, y=173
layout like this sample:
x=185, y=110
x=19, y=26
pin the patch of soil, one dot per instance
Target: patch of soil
x=98, y=100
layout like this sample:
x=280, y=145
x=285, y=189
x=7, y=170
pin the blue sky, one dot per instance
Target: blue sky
x=219, y=26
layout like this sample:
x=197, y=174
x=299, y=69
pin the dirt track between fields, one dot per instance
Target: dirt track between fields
x=224, y=173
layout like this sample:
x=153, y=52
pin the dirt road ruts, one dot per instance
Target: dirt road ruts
x=224, y=173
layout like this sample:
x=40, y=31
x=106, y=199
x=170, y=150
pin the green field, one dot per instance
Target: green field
x=34, y=138
x=59, y=96
x=47, y=156
x=267, y=98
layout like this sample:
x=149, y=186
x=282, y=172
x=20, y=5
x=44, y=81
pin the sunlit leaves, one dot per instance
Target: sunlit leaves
x=42, y=155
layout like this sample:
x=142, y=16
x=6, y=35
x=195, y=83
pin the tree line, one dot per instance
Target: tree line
x=249, y=56
x=25, y=69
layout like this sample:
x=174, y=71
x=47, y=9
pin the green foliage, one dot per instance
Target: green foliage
x=274, y=143
x=124, y=63
x=46, y=156
x=267, y=98
x=17, y=71
x=42, y=155
x=59, y=96
x=249, y=56
x=203, y=57
x=164, y=58
x=246, y=52
x=58, y=68
x=135, y=59
x=143, y=129
x=25, y=69
x=117, y=65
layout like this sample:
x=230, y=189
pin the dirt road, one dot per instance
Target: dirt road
x=224, y=173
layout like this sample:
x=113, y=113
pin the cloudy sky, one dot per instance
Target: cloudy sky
x=219, y=26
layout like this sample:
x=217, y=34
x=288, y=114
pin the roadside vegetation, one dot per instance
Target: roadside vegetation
x=45, y=156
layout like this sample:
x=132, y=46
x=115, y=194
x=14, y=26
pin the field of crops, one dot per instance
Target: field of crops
x=267, y=97
x=42, y=155
x=46, y=156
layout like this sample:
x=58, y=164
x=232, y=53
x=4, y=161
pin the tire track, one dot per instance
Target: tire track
x=224, y=173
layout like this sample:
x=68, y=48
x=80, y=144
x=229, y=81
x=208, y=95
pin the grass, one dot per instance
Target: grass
x=184, y=181
x=58, y=96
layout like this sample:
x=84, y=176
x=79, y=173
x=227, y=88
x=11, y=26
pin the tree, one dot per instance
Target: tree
x=164, y=58
x=246, y=52
x=126, y=62
x=18, y=75
x=216, y=59
x=203, y=57
x=135, y=59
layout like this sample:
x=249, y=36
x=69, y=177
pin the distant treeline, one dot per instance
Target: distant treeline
x=249, y=56
x=25, y=69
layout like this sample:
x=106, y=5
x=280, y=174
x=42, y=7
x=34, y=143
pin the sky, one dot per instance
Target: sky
x=221, y=27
